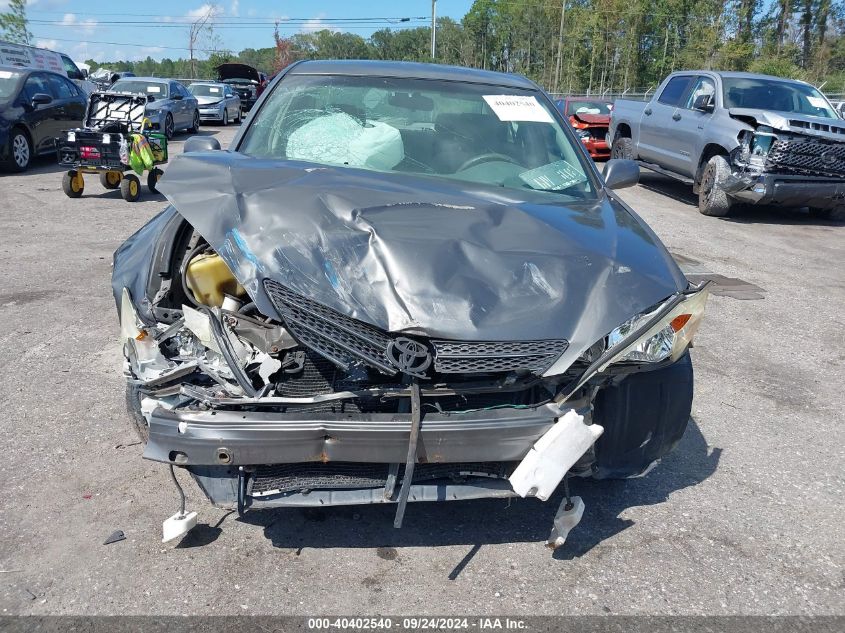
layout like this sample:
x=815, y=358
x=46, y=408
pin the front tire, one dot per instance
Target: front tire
x=20, y=153
x=712, y=198
x=623, y=147
x=130, y=188
x=133, y=408
x=168, y=127
x=152, y=179
x=225, y=120
x=72, y=184
x=836, y=214
x=196, y=125
x=111, y=179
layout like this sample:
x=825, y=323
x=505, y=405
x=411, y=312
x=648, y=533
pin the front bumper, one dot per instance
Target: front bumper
x=597, y=148
x=241, y=438
x=213, y=114
x=787, y=190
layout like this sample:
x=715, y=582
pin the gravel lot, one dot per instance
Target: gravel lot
x=745, y=517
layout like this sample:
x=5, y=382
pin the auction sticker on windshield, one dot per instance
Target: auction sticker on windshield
x=518, y=108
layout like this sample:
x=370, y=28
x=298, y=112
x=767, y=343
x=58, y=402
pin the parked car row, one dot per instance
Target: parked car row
x=36, y=105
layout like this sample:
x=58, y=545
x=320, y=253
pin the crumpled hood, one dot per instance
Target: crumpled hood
x=790, y=122
x=425, y=255
x=208, y=99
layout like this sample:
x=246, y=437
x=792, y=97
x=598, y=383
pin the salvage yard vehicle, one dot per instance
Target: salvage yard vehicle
x=35, y=106
x=402, y=282
x=738, y=138
x=217, y=102
x=170, y=107
x=112, y=143
x=590, y=118
x=245, y=80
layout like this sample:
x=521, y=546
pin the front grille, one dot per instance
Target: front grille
x=344, y=340
x=282, y=478
x=807, y=157
x=467, y=357
x=336, y=336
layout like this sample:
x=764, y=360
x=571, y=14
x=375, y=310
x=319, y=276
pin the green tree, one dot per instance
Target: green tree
x=14, y=25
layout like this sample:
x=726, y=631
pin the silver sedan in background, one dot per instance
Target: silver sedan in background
x=218, y=102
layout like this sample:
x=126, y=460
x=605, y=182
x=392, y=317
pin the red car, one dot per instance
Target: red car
x=591, y=119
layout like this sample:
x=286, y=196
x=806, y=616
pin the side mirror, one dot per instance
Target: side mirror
x=703, y=103
x=620, y=173
x=201, y=144
x=176, y=97
x=84, y=74
x=39, y=98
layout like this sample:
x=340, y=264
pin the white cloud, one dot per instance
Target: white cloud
x=234, y=8
x=51, y=44
x=87, y=26
x=203, y=10
x=316, y=24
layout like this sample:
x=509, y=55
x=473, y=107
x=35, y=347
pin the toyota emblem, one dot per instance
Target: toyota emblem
x=409, y=356
x=828, y=158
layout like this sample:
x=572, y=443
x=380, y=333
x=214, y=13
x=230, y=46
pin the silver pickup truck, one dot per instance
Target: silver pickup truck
x=738, y=137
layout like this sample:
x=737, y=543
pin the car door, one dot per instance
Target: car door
x=181, y=105
x=655, y=130
x=44, y=120
x=688, y=126
x=70, y=107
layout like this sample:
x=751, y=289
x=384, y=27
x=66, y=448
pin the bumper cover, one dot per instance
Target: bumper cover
x=788, y=191
x=251, y=438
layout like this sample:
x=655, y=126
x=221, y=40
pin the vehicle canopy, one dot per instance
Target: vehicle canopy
x=228, y=72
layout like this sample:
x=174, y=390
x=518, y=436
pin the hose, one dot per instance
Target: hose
x=184, y=273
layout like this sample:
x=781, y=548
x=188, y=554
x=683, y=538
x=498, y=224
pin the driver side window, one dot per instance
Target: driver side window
x=703, y=87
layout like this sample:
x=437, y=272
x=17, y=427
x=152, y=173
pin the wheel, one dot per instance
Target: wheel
x=196, y=125
x=21, y=153
x=238, y=116
x=168, y=126
x=133, y=408
x=623, y=147
x=72, y=184
x=225, y=120
x=153, y=177
x=130, y=188
x=712, y=199
x=111, y=179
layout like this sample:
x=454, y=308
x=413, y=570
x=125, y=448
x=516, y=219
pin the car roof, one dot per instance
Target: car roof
x=160, y=80
x=735, y=74
x=413, y=70
x=207, y=83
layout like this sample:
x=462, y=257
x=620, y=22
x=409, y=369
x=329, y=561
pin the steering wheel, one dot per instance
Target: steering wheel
x=486, y=158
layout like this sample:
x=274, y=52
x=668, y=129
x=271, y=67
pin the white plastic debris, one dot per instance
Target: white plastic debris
x=551, y=457
x=178, y=525
x=197, y=322
x=565, y=521
x=268, y=367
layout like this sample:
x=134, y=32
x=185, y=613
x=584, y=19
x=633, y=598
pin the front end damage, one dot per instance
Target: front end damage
x=792, y=162
x=271, y=398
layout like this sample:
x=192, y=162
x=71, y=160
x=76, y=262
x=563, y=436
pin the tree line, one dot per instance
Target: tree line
x=579, y=46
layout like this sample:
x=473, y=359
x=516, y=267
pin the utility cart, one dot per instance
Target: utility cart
x=113, y=144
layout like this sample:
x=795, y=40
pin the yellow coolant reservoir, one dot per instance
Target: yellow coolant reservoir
x=209, y=278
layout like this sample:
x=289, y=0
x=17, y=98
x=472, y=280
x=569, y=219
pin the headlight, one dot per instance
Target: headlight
x=669, y=337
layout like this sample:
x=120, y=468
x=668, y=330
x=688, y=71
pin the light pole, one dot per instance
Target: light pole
x=433, y=27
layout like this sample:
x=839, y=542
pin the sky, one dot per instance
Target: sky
x=121, y=30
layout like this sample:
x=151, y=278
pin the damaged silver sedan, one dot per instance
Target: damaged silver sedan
x=401, y=283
